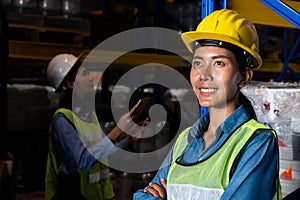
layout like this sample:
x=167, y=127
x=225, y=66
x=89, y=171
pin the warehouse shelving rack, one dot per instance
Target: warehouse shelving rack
x=276, y=13
x=269, y=13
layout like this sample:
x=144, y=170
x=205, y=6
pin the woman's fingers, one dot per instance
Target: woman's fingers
x=155, y=190
x=164, y=183
x=135, y=107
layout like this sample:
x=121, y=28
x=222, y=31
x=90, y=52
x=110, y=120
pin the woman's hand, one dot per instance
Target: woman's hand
x=136, y=131
x=126, y=124
x=156, y=190
x=126, y=121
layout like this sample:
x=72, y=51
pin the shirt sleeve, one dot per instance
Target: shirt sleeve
x=161, y=173
x=66, y=139
x=256, y=170
x=123, y=145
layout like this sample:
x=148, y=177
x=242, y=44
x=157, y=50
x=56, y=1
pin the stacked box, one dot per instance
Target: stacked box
x=278, y=106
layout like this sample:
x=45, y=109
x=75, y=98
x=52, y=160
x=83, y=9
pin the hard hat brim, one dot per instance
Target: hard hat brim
x=190, y=37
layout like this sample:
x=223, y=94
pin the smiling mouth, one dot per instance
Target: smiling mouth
x=208, y=90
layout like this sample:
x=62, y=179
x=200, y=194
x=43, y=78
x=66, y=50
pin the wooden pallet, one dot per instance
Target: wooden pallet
x=48, y=29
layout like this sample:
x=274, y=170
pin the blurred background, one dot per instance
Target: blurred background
x=34, y=31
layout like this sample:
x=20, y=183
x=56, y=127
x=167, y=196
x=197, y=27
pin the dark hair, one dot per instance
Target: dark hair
x=247, y=104
x=66, y=99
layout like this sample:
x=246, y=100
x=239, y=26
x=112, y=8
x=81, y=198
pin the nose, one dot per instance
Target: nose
x=90, y=77
x=205, y=74
x=203, y=77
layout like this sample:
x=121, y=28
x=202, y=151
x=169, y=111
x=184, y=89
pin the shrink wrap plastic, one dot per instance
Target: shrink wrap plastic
x=278, y=106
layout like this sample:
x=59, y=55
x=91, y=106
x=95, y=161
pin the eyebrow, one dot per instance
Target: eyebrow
x=213, y=57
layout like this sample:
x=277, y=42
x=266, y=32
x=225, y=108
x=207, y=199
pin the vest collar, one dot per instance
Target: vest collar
x=83, y=114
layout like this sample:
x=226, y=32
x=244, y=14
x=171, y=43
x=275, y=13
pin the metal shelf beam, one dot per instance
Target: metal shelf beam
x=289, y=13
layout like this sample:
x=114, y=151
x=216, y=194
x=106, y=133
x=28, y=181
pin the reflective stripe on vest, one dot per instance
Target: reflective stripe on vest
x=208, y=178
x=187, y=191
x=94, y=183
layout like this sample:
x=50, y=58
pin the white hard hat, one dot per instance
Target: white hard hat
x=58, y=68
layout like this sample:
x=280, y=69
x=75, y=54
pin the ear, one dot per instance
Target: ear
x=70, y=84
x=248, y=74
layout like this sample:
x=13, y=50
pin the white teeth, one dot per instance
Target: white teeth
x=210, y=90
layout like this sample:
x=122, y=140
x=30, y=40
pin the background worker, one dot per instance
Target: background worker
x=77, y=140
x=227, y=153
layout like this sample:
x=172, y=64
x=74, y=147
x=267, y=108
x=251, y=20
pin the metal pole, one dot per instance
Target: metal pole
x=3, y=68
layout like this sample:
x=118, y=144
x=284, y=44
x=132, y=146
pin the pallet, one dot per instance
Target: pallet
x=48, y=29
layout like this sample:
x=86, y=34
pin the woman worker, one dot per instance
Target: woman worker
x=77, y=140
x=227, y=153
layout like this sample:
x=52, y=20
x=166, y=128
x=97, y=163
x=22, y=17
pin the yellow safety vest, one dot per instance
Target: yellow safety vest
x=209, y=178
x=95, y=184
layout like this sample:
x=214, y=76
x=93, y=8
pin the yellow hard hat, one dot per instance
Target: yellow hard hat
x=230, y=27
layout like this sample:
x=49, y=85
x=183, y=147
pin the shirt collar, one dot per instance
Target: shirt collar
x=235, y=120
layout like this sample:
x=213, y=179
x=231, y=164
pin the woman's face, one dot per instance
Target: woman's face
x=215, y=77
x=84, y=83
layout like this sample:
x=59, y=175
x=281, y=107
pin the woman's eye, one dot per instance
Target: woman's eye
x=219, y=63
x=85, y=73
x=196, y=63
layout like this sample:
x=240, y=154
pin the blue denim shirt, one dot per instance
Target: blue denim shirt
x=71, y=153
x=256, y=172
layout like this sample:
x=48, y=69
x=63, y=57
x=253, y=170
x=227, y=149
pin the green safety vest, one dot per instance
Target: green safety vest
x=95, y=184
x=207, y=179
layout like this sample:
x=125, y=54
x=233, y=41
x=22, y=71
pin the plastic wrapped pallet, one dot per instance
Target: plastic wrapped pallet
x=278, y=106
